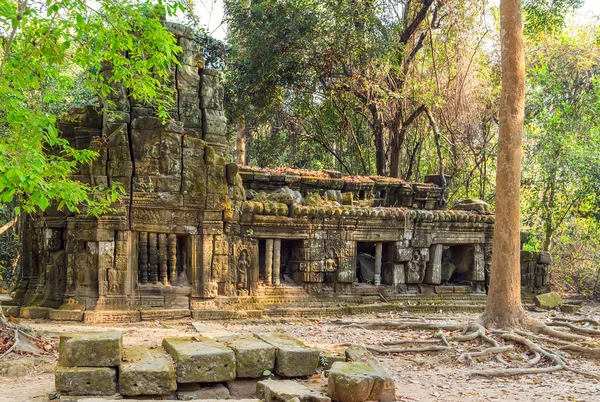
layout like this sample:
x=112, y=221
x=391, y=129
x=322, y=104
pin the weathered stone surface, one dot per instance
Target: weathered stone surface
x=214, y=122
x=548, y=301
x=327, y=361
x=353, y=382
x=85, y=380
x=243, y=388
x=384, y=388
x=146, y=371
x=283, y=391
x=252, y=356
x=90, y=349
x=195, y=391
x=201, y=359
x=293, y=358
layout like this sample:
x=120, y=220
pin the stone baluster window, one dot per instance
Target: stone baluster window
x=158, y=258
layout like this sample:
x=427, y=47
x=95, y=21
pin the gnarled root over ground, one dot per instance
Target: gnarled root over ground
x=534, y=348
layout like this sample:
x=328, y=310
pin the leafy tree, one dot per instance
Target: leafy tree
x=49, y=52
x=547, y=15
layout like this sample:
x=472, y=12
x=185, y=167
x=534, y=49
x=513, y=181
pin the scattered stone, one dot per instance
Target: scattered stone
x=201, y=359
x=90, y=349
x=85, y=380
x=354, y=382
x=146, y=371
x=326, y=360
x=252, y=356
x=570, y=308
x=293, y=358
x=284, y=391
x=384, y=390
x=548, y=301
x=195, y=391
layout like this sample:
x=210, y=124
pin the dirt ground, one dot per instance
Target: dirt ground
x=433, y=376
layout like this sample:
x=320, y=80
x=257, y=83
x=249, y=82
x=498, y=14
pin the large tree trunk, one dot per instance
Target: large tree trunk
x=503, y=307
x=379, y=137
x=240, y=143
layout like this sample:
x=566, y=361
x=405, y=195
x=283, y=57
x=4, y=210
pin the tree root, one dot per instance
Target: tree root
x=22, y=341
x=500, y=341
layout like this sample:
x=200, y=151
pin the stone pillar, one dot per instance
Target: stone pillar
x=143, y=258
x=163, y=274
x=276, y=262
x=152, y=258
x=378, y=256
x=478, y=273
x=433, y=271
x=269, y=262
x=172, y=253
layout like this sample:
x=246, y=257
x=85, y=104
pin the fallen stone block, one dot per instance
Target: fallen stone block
x=252, y=356
x=548, y=301
x=85, y=380
x=195, y=391
x=90, y=349
x=354, y=382
x=200, y=359
x=146, y=371
x=283, y=391
x=384, y=390
x=292, y=357
x=570, y=308
x=327, y=360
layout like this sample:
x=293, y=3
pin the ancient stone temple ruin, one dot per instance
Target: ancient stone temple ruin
x=197, y=233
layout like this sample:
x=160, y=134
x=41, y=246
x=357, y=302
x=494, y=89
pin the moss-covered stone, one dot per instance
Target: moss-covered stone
x=293, y=358
x=384, y=388
x=252, y=356
x=85, y=380
x=284, y=391
x=90, y=349
x=548, y=301
x=146, y=371
x=200, y=359
x=352, y=382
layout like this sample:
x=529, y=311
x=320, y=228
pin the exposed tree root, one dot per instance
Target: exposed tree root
x=544, y=344
x=21, y=340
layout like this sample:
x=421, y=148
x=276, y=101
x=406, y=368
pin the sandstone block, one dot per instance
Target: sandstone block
x=90, y=349
x=293, y=358
x=283, y=391
x=548, y=301
x=201, y=359
x=85, y=380
x=252, y=356
x=190, y=392
x=384, y=389
x=243, y=388
x=146, y=371
x=327, y=361
x=353, y=382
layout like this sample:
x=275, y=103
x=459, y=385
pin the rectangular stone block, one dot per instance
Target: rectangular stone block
x=201, y=359
x=85, y=380
x=252, y=356
x=214, y=122
x=146, y=371
x=90, y=349
x=293, y=358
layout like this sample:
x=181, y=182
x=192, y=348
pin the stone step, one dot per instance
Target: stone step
x=200, y=359
x=294, y=359
x=146, y=370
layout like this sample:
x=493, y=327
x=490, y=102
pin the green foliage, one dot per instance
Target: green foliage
x=53, y=54
x=547, y=15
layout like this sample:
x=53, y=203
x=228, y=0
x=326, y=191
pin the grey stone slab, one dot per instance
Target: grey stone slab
x=293, y=358
x=199, y=359
x=146, y=371
x=283, y=391
x=252, y=356
x=90, y=349
x=85, y=380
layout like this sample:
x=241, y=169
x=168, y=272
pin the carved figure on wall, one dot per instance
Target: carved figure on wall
x=416, y=268
x=331, y=264
x=83, y=264
x=243, y=270
x=113, y=281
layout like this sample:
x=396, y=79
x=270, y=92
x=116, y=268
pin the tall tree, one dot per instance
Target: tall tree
x=503, y=306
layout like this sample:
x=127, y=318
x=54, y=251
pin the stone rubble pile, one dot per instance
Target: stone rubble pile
x=227, y=367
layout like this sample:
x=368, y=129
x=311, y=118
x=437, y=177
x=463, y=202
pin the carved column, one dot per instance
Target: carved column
x=152, y=258
x=433, y=271
x=378, y=256
x=478, y=273
x=269, y=262
x=276, y=262
x=143, y=257
x=163, y=274
x=172, y=252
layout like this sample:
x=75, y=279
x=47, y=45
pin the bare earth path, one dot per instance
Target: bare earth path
x=434, y=376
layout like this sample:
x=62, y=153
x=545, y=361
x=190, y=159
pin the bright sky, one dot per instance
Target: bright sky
x=211, y=14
